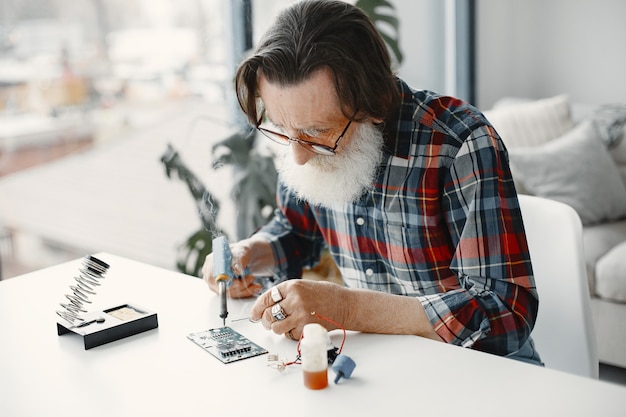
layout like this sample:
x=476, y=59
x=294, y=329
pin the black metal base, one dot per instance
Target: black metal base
x=111, y=324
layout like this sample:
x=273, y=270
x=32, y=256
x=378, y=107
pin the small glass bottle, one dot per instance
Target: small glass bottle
x=314, y=355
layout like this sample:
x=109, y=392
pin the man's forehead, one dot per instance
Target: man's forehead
x=311, y=102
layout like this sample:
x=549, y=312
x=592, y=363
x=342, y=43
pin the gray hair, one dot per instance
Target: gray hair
x=313, y=34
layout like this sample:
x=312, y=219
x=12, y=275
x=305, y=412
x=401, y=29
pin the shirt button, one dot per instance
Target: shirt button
x=369, y=272
x=360, y=221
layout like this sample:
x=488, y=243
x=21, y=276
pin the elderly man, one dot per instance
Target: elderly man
x=409, y=190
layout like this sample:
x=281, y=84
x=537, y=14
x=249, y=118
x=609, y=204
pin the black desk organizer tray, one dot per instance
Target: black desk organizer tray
x=100, y=327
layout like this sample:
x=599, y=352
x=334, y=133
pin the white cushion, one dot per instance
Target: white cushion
x=618, y=152
x=575, y=169
x=598, y=240
x=531, y=123
x=610, y=282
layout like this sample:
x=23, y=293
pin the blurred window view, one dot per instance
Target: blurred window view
x=91, y=93
x=71, y=72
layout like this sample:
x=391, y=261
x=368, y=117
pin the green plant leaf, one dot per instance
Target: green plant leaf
x=191, y=254
x=383, y=14
x=236, y=148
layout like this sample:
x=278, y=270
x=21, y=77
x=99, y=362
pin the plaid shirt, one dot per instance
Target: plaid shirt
x=442, y=223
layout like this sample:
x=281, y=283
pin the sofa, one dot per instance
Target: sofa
x=576, y=154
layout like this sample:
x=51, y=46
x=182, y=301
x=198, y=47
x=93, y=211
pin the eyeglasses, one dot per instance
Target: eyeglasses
x=315, y=147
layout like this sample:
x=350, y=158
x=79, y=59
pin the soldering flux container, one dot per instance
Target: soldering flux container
x=314, y=355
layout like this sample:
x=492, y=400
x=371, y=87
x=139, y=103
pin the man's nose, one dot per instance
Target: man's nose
x=301, y=154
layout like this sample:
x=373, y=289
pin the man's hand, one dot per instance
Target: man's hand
x=302, y=301
x=247, y=254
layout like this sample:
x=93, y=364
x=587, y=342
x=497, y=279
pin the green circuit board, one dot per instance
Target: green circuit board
x=226, y=344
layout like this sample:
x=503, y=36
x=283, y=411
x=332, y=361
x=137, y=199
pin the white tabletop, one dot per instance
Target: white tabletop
x=162, y=373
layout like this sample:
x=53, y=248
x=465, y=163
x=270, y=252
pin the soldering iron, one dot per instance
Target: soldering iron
x=223, y=271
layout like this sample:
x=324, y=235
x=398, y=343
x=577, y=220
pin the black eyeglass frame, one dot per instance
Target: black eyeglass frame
x=315, y=147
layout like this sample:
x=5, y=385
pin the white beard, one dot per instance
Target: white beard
x=338, y=179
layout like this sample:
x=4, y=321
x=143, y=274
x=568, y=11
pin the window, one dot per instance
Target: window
x=91, y=92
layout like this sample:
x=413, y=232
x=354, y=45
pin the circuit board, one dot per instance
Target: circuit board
x=226, y=344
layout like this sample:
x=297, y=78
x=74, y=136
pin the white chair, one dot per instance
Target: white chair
x=563, y=334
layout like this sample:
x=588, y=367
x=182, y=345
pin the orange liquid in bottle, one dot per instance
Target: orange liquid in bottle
x=316, y=380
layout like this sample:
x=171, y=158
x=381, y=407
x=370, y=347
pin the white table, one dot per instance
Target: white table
x=162, y=373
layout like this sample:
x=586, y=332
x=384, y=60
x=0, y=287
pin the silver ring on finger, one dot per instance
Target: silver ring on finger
x=278, y=313
x=276, y=295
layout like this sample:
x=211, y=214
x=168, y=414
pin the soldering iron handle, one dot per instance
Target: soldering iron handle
x=222, y=259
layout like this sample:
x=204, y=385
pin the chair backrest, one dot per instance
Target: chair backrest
x=563, y=334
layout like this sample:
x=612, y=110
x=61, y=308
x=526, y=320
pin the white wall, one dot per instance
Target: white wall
x=540, y=48
x=422, y=40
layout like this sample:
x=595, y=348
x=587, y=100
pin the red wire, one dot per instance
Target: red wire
x=319, y=316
